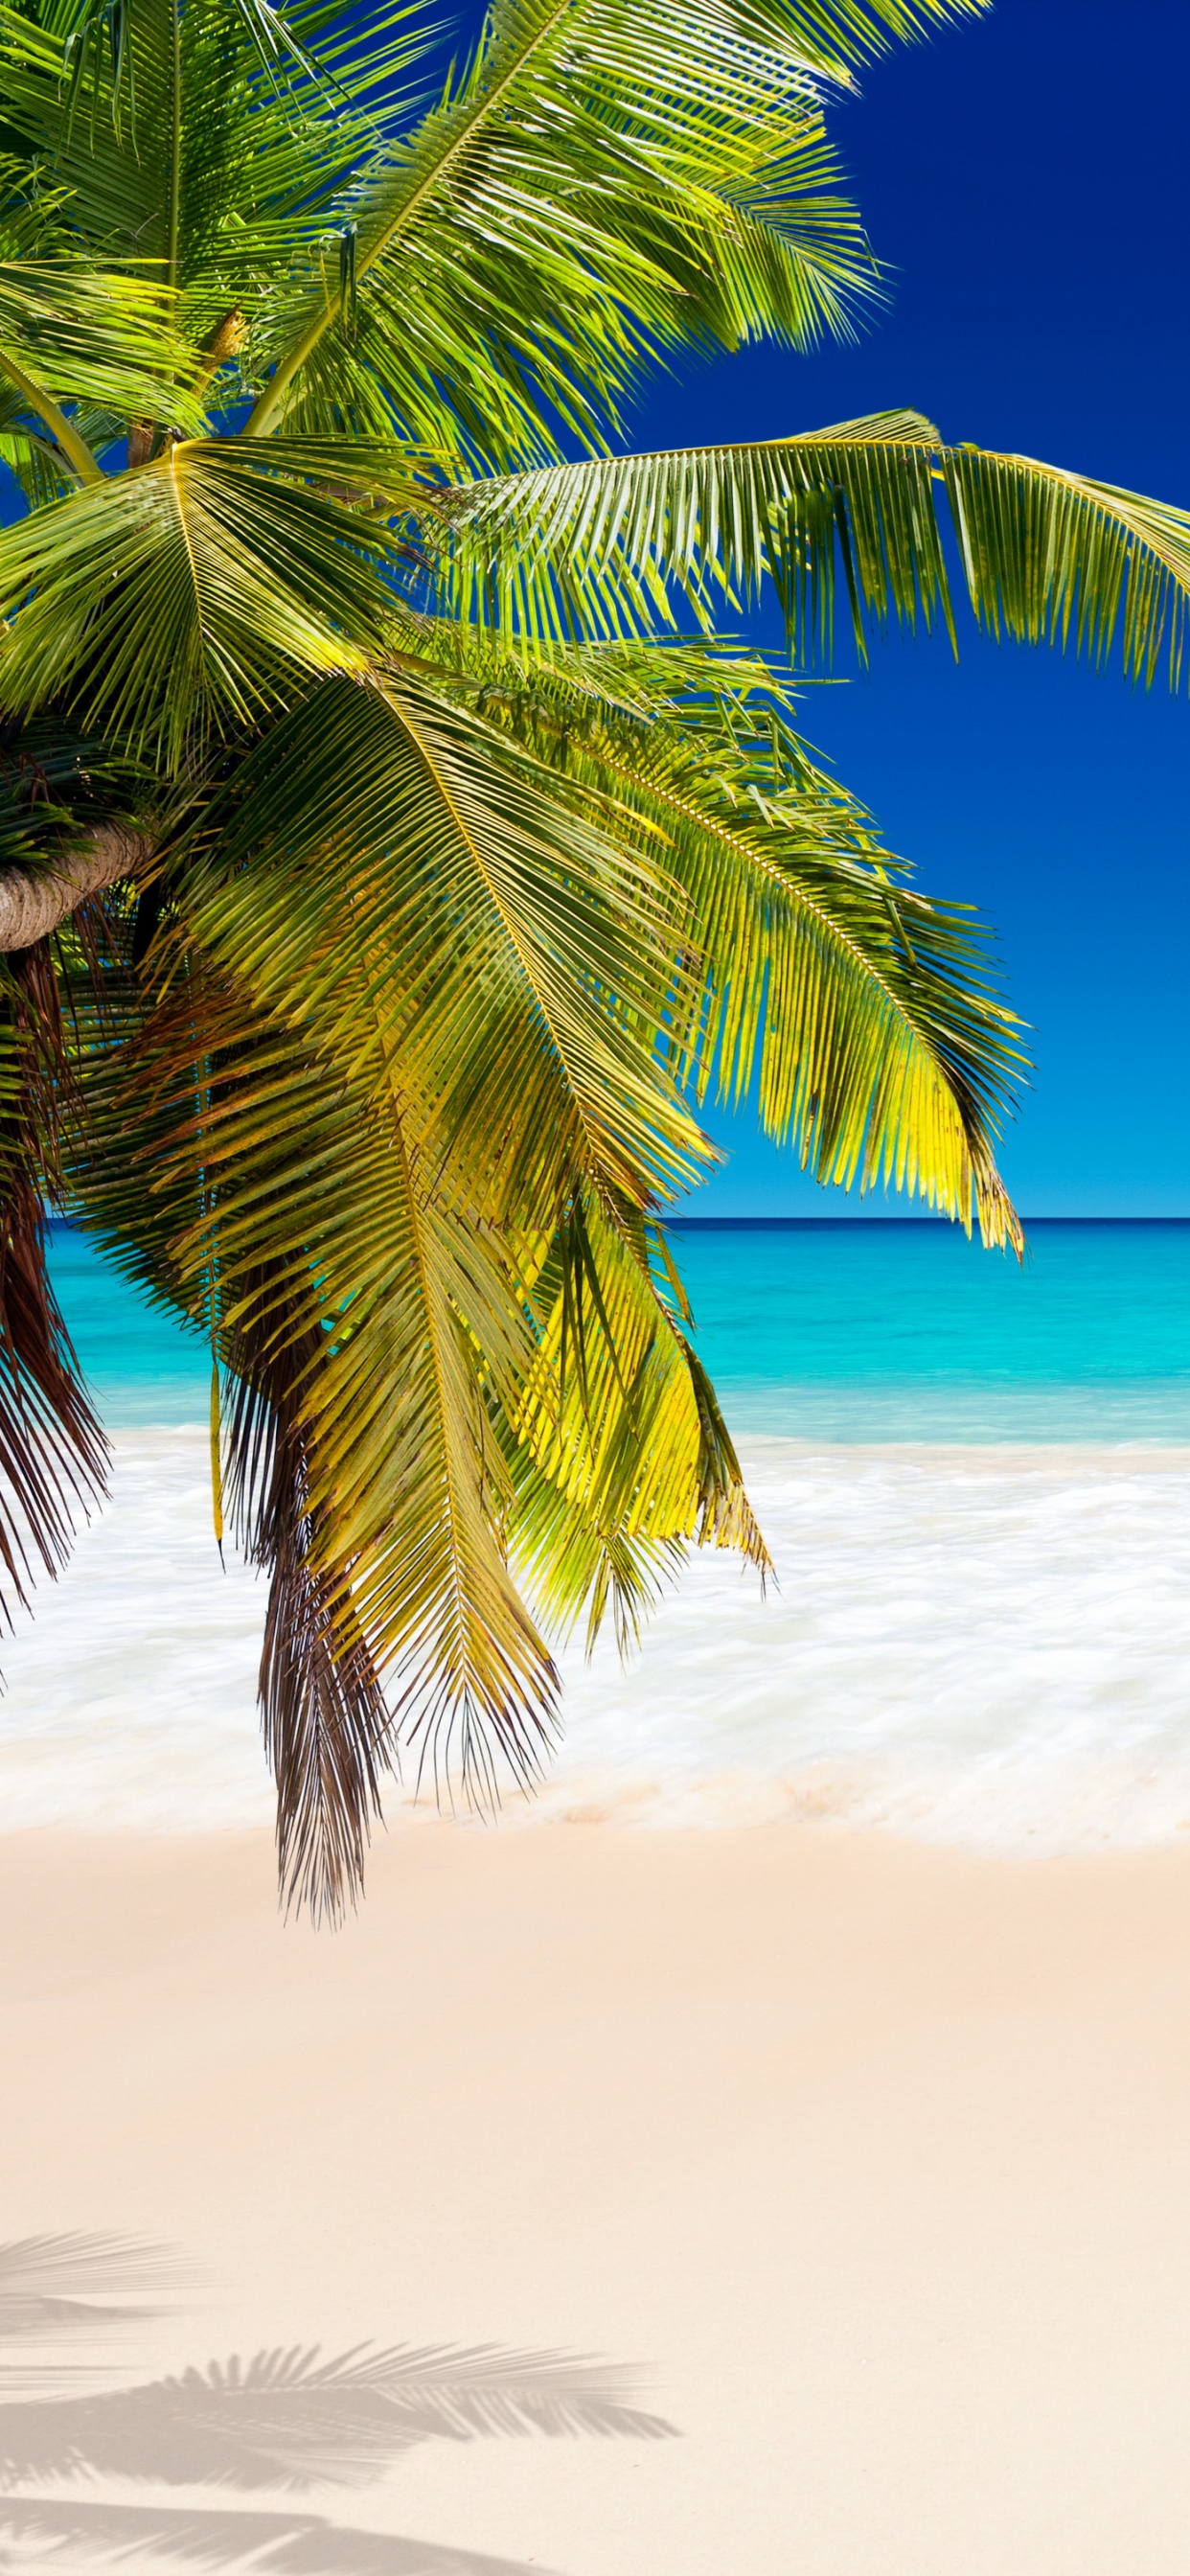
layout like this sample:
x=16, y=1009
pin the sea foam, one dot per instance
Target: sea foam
x=986, y=1646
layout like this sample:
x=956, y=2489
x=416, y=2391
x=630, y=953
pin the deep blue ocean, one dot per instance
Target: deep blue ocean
x=821, y=1330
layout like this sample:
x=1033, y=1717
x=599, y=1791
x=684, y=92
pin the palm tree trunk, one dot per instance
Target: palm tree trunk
x=30, y=907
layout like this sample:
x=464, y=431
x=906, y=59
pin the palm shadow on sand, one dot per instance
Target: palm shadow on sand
x=284, y=2421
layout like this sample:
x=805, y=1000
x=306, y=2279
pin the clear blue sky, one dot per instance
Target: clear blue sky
x=1024, y=176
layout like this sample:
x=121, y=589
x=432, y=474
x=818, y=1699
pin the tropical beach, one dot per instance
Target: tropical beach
x=594, y=1289
x=766, y=2145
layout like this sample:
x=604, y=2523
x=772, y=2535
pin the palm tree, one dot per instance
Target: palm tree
x=394, y=854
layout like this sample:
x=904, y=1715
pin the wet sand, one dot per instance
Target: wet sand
x=825, y=2202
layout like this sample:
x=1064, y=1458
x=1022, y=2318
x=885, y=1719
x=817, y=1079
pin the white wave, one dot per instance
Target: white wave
x=983, y=1646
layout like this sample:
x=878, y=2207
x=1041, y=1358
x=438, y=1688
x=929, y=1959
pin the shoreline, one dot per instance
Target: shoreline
x=979, y=1648
x=157, y=1437
x=860, y=2166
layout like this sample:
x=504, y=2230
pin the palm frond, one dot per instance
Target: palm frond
x=599, y=183
x=53, y=1455
x=284, y=1214
x=437, y=899
x=1063, y=558
x=216, y=177
x=99, y=337
x=805, y=962
x=184, y=599
x=613, y=546
x=622, y=1458
x=327, y=1729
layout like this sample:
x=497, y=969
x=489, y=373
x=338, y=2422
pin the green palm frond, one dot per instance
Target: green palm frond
x=37, y=466
x=608, y=547
x=205, y=144
x=97, y=36
x=402, y=1417
x=602, y=181
x=833, y=35
x=861, y=1011
x=1062, y=558
x=189, y=596
x=432, y=894
x=238, y=1177
x=613, y=546
x=622, y=1457
x=105, y=339
x=806, y=965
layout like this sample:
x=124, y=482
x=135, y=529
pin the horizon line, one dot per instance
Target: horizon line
x=946, y=1224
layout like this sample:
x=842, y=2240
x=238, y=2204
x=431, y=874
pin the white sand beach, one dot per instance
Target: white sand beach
x=821, y=2200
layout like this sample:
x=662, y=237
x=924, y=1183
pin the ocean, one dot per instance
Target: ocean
x=975, y=1482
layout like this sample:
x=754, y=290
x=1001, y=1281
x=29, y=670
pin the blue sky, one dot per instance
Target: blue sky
x=1023, y=176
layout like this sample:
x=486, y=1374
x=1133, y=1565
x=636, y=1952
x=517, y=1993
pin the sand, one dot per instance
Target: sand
x=838, y=2189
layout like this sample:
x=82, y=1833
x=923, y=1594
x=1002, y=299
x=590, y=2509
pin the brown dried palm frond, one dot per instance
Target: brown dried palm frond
x=53, y=1454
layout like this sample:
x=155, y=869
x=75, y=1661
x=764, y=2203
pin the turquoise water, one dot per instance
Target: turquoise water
x=887, y=1331
x=826, y=1331
x=140, y=1366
